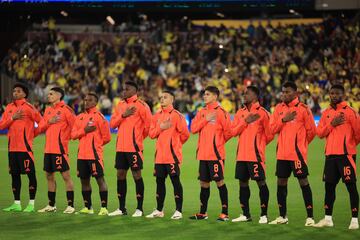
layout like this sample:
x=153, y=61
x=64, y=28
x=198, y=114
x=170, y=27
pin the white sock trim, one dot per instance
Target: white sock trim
x=328, y=217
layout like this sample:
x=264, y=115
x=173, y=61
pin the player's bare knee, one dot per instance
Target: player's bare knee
x=136, y=174
x=121, y=174
x=282, y=181
x=220, y=183
x=85, y=184
x=50, y=177
x=303, y=181
x=102, y=184
x=204, y=184
x=261, y=183
x=66, y=176
x=244, y=183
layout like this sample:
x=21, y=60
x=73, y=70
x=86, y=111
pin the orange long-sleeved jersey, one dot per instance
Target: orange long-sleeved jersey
x=213, y=134
x=91, y=144
x=342, y=139
x=169, y=142
x=57, y=134
x=21, y=132
x=134, y=129
x=253, y=137
x=294, y=136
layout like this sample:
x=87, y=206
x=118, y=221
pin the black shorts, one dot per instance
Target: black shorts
x=285, y=167
x=55, y=163
x=21, y=163
x=126, y=160
x=162, y=170
x=246, y=170
x=211, y=170
x=340, y=166
x=88, y=168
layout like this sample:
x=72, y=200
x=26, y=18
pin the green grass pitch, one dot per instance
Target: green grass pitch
x=61, y=226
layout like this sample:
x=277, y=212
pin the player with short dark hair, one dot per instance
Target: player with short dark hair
x=132, y=118
x=19, y=118
x=169, y=127
x=57, y=123
x=93, y=132
x=340, y=125
x=251, y=125
x=294, y=123
x=213, y=125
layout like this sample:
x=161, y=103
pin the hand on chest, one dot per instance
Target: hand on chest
x=251, y=118
x=88, y=120
x=54, y=113
x=292, y=115
x=166, y=121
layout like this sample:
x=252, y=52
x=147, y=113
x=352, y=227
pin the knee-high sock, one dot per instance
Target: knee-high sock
x=139, y=193
x=244, y=196
x=204, y=198
x=354, y=199
x=281, y=198
x=32, y=185
x=121, y=191
x=307, y=195
x=264, y=199
x=330, y=196
x=178, y=192
x=16, y=185
x=160, y=193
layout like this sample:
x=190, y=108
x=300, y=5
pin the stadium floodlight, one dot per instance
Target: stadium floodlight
x=226, y=70
x=325, y=5
x=221, y=46
x=292, y=11
x=143, y=16
x=219, y=14
x=110, y=20
x=65, y=14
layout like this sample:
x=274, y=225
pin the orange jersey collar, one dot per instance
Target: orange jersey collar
x=131, y=99
x=253, y=106
x=293, y=102
x=91, y=110
x=168, y=109
x=341, y=105
x=59, y=104
x=212, y=106
x=19, y=102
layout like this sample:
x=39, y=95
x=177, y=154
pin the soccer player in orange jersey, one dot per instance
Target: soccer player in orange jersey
x=19, y=118
x=132, y=118
x=169, y=127
x=57, y=123
x=93, y=132
x=213, y=125
x=339, y=124
x=251, y=125
x=294, y=123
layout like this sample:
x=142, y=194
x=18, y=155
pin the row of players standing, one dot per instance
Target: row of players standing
x=252, y=124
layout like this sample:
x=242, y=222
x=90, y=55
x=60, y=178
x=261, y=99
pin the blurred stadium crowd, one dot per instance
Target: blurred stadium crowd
x=186, y=58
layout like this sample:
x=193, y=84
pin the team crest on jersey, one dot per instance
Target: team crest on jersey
x=81, y=118
x=281, y=113
x=58, y=113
